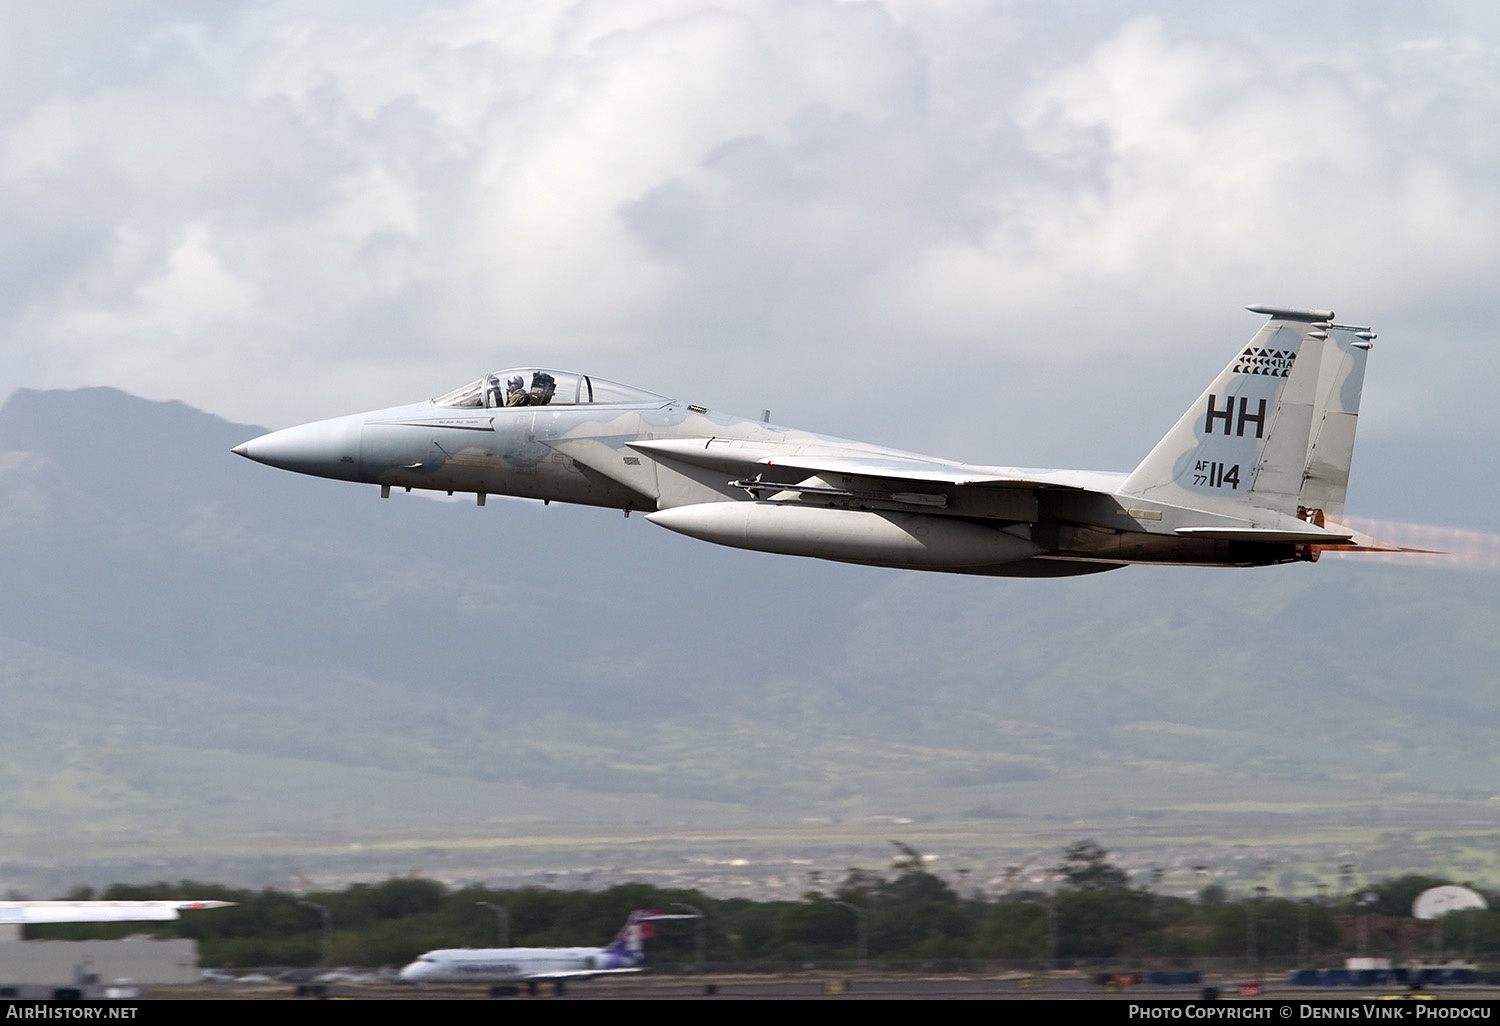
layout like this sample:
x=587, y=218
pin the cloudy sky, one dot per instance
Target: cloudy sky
x=1002, y=232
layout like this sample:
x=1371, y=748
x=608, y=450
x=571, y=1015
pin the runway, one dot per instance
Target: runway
x=822, y=986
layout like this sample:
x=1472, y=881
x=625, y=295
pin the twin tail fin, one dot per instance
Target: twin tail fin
x=1274, y=432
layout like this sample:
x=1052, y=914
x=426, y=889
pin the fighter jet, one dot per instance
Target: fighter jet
x=1253, y=473
x=502, y=967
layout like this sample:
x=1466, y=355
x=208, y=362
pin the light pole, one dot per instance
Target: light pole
x=327, y=928
x=1346, y=878
x=862, y=932
x=1051, y=929
x=1302, y=933
x=502, y=927
x=1254, y=946
x=699, y=941
x=1361, y=910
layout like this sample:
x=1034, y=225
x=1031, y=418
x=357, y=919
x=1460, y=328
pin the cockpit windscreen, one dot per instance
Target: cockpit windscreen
x=535, y=387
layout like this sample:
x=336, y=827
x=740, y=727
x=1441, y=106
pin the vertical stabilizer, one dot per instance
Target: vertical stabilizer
x=1340, y=383
x=631, y=940
x=1245, y=443
x=630, y=943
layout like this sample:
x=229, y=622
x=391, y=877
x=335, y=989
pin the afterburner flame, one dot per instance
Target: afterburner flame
x=1457, y=547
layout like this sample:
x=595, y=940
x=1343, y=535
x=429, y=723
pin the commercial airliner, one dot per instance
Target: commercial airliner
x=1253, y=473
x=500, y=966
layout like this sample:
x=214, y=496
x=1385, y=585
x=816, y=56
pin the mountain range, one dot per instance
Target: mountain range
x=205, y=661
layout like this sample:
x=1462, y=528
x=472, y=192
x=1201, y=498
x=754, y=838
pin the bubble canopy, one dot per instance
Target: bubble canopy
x=534, y=386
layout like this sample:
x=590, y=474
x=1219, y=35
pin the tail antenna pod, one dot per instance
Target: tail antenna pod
x=1289, y=314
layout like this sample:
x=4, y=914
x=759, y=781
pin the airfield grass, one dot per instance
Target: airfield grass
x=1289, y=841
x=730, y=804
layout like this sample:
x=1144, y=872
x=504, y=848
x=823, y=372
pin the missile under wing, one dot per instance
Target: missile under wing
x=1253, y=473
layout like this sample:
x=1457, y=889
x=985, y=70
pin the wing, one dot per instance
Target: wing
x=578, y=974
x=905, y=481
x=736, y=455
x=872, y=478
x=97, y=911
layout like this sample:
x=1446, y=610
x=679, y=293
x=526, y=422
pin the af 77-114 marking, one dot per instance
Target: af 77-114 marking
x=1253, y=473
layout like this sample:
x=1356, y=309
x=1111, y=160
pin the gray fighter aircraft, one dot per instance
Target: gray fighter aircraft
x=1254, y=473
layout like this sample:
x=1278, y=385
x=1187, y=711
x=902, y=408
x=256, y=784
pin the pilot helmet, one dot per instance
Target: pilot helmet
x=515, y=383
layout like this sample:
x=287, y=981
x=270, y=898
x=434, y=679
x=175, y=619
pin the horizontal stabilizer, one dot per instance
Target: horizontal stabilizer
x=1268, y=535
x=1339, y=539
x=1361, y=542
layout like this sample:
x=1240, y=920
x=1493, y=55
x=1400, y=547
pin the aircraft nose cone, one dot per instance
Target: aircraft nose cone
x=327, y=448
x=415, y=972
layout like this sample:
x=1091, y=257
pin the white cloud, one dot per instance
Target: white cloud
x=1182, y=170
x=290, y=202
x=193, y=293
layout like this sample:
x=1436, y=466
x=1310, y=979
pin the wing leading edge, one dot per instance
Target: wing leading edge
x=728, y=454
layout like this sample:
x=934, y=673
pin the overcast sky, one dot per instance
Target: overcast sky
x=1014, y=233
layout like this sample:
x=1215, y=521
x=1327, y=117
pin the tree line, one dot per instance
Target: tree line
x=901, y=916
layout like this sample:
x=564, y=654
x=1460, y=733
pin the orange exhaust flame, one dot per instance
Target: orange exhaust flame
x=1433, y=546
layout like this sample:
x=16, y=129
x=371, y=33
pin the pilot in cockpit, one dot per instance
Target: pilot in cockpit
x=515, y=391
x=543, y=387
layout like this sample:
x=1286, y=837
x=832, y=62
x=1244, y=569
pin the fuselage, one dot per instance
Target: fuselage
x=510, y=965
x=1224, y=488
x=601, y=455
x=559, y=453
